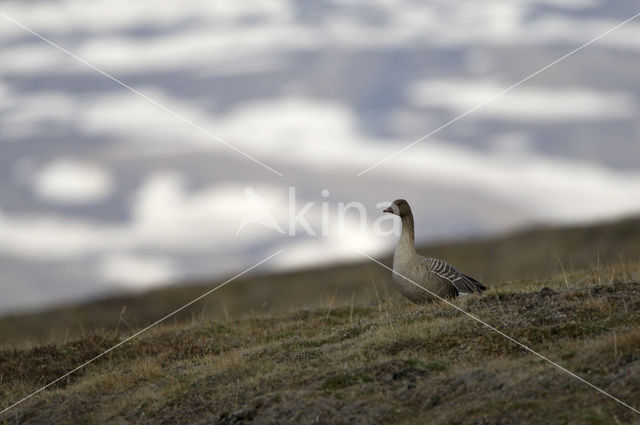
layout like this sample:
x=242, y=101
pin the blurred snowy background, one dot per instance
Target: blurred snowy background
x=102, y=190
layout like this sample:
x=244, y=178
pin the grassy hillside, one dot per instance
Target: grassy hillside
x=358, y=353
x=391, y=363
x=532, y=255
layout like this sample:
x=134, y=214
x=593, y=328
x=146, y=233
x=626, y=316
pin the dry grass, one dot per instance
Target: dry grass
x=523, y=261
x=361, y=355
x=393, y=363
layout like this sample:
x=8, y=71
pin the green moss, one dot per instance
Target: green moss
x=340, y=381
x=432, y=365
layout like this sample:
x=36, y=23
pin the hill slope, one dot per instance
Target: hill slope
x=337, y=346
x=507, y=261
x=366, y=365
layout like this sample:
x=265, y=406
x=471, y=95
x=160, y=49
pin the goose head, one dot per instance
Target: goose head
x=399, y=207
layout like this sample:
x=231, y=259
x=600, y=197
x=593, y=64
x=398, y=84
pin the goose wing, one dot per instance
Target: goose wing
x=460, y=281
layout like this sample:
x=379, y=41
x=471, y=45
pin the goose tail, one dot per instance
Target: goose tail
x=477, y=286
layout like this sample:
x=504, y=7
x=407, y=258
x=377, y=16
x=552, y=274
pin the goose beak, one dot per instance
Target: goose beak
x=388, y=210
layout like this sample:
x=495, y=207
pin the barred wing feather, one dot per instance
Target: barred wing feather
x=461, y=281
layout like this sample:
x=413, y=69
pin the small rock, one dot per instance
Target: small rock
x=546, y=291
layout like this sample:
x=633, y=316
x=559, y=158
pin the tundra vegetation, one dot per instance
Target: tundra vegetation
x=339, y=346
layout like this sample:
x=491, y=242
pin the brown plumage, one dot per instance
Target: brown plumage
x=437, y=276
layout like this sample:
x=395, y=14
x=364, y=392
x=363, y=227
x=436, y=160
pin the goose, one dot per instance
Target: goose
x=432, y=274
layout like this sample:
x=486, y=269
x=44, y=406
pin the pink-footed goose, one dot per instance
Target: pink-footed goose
x=438, y=276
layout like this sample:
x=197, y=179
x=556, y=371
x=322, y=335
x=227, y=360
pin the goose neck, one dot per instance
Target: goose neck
x=407, y=238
